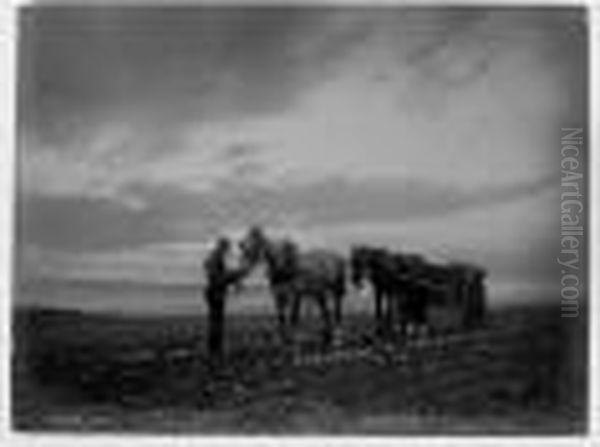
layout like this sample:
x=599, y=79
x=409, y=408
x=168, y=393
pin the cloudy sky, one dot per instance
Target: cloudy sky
x=146, y=132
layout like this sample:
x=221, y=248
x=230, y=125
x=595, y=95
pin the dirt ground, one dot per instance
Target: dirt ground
x=74, y=372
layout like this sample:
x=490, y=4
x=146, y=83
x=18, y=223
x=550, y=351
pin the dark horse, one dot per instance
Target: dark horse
x=394, y=279
x=456, y=286
x=471, y=290
x=295, y=275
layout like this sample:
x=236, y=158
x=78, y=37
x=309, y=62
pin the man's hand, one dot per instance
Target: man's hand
x=236, y=280
x=238, y=287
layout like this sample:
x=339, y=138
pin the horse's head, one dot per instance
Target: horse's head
x=279, y=256
x=360, y=260
x=409, y=263
x=469, y=272
x=253, y=247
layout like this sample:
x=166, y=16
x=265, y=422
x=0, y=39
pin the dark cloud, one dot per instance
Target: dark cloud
x=239, y=151
x=243, y=160
x=472, y=36
x=160, y=69
x=339, y=201
x=81, y=224
x=173, y=214
x=451, y=23
x=534, y=261
x=167, y=66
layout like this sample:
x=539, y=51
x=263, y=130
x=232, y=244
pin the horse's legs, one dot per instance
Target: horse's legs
x=339, y=291
x=326, y=319
x=336, y=299
x=420, y=309
x=386, y=318
x=280, y=308
x=408, y=299
x=296, y=308
x=399, y=317
x=422, y=318
x=337, y=303
x=479, y=301
x=378, y=310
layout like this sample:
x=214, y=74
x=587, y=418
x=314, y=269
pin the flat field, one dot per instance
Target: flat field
x=524, y=372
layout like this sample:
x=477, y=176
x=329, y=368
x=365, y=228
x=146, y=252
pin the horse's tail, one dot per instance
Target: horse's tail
x=340, y=282
x=339, y=289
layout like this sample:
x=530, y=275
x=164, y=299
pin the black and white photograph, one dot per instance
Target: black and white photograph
x=283, y=220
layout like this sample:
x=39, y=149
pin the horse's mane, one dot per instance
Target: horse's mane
x=281, y=254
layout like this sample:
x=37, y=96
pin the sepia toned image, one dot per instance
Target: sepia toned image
x=301, y=220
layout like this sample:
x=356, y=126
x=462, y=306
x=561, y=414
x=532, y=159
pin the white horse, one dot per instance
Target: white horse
x=317, y=275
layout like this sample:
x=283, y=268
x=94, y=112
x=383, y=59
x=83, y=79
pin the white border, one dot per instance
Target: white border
x=7, y=163
x=233, y=3
x=7, y=171
x=594, y=248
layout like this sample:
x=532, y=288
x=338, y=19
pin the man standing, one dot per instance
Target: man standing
x=218, y=280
